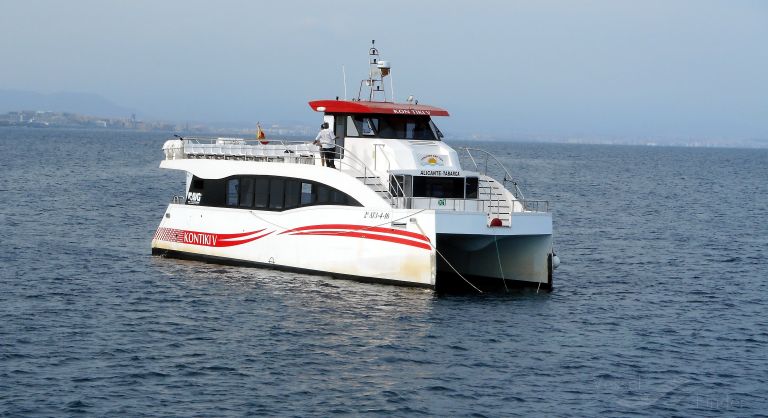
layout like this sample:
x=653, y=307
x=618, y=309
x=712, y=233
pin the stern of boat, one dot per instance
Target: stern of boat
x=473, y=254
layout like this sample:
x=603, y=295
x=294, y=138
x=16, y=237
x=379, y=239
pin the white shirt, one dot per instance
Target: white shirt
x=327, y=138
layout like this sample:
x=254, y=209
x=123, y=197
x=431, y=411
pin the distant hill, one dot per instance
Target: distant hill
x=85, y=103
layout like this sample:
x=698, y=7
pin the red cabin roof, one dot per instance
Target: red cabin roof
x=388, y=108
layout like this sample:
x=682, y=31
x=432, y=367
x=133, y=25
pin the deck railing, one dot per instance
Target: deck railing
x=283, y=151
x=487, y=159
x=304, y=152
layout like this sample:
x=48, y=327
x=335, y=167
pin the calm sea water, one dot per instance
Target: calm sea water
x=659, y=308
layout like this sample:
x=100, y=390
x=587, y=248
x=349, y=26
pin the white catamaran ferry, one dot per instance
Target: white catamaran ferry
x=399, y=206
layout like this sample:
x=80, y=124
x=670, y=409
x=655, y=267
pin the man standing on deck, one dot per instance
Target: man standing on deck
x=327, y=141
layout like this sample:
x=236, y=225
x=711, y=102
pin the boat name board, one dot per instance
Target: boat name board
x=454, y=173
x=411, y=112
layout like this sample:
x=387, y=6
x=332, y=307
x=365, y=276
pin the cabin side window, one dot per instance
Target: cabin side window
x=352, y=127
x=246, y=192
x=292, y=193
x=308, y=194
x=233, y=191
x=471, y=187
x=276, y=193
x=433, y=187
x=264, y=193
x=260, y=192
x=440, y=187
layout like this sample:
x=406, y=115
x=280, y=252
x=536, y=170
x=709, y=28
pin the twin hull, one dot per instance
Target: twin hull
x=399, y=246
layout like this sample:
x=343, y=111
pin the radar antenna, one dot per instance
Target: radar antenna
x=375, y=81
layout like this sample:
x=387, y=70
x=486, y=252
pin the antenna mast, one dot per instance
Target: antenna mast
x=344, y=74
x=375, y=81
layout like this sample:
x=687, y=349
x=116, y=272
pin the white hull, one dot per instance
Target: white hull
x=398, y=246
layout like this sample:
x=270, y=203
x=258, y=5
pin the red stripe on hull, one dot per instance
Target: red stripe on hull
x=359, y=227
x=377, y=237
x=206, y=239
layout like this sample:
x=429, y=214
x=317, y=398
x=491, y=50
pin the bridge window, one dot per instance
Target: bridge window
x=368, y=126
x=393, y=127
x=352, y=127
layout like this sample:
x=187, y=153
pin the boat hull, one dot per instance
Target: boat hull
x=492, y=262
x=420, y=248
x=346, y=242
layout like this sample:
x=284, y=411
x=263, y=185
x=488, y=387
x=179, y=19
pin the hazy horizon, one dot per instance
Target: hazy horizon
x=654, y=69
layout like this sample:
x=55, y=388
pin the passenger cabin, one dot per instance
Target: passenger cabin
x=403, y=147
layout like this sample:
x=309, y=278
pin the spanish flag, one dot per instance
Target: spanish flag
x=260, y=134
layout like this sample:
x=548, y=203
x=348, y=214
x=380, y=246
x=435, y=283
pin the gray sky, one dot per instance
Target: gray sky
x=642, y=68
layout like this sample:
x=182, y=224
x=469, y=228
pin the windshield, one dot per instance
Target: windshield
x=393, y=126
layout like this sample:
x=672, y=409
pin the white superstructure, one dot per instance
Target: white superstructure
x=398, y=207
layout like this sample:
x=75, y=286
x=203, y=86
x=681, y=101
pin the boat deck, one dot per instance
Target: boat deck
x=491, y=199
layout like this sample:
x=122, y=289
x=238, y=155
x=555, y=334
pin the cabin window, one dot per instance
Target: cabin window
x=368, y=126
x=410, y=129
x=364, y=126
x=292, y=193
x=308, y=196
x=471, y=186
x=433, y=187
x=246, y=192
x=276, y=189
x=233, y=187
x=352, y=127
x=435, y=130
x=323, y=195
x=208, y=192
x=267, y=193
x=197, y=184
x=393, y=127
x=338, y=198
x=261, y=192
x=439, y=187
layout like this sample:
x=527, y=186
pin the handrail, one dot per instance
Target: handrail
x=507, y=176
x=394, y=193
x=350, y=160
x=386, y=187
x=399, y=191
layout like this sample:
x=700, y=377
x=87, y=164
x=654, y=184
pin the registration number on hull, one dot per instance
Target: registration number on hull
x=376, y=215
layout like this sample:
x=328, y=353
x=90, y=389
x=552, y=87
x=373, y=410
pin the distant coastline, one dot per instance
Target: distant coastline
x=50, y=119
x=72, y=120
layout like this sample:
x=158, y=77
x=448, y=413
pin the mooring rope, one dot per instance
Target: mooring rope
x=389, y=222
x=501, y=269
x=416, y=221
